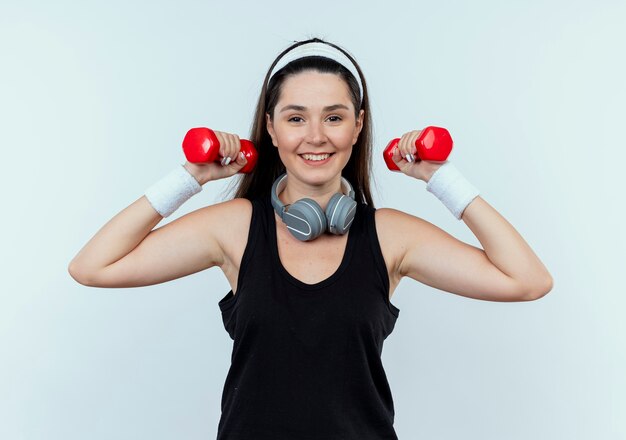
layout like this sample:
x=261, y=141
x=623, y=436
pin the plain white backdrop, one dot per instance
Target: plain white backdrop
x=95, y=98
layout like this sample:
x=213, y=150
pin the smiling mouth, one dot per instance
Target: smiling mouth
x=316, y=157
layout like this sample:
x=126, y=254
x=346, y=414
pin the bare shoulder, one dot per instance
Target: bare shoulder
x=228, y=220
x=393, y=227
x=396, y=231
x=389, y=221
x=403, y=233
x=229, y=209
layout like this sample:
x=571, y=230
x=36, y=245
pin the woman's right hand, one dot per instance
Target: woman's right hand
x=230, y=146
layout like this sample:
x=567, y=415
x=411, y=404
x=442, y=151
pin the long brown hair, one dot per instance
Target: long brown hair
x=259, y=182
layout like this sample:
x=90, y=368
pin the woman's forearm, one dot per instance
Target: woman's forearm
x=505, y=247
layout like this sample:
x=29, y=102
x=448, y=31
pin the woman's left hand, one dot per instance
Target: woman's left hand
x=420, y=169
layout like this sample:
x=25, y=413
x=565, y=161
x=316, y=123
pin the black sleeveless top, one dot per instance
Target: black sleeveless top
x=306, y=360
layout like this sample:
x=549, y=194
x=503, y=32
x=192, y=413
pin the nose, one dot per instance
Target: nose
x=315, y=133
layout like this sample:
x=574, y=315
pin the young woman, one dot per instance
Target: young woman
x=311, y=263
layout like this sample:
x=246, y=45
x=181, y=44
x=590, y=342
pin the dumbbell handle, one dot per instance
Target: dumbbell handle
x=433, y=143
x=201, y=145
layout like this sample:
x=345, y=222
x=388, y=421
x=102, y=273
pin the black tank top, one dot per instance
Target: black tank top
x=306, y=360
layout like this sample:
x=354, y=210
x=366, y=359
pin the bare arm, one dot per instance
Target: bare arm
x=506, y=270
x=506, y=249
x=184, y=246
x=127, y=252
x=116, y=239
x=430, y=255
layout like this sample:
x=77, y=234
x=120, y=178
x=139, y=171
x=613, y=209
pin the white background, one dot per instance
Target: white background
x=95, y=99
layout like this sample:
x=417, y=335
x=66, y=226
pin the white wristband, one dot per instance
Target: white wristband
x=454, y=191
x=173, y=190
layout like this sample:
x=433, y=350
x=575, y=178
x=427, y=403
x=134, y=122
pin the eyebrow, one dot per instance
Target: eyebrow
x=301, y=108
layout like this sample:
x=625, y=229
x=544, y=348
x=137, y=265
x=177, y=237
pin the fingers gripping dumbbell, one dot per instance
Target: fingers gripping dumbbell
x=201, y=145
x=433, y=143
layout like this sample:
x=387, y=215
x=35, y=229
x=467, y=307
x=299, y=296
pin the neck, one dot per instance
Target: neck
x=296, y=190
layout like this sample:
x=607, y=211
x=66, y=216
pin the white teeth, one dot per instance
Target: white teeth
x=316, y=156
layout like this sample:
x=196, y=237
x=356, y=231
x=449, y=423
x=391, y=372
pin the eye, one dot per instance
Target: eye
x=333, y=118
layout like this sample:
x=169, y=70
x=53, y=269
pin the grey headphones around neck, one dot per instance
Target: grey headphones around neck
x=305, y=218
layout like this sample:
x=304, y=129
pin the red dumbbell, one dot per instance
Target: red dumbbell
x=433, y=143
x=201, y=145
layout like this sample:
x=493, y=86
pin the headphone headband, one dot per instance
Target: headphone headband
x=280, y=184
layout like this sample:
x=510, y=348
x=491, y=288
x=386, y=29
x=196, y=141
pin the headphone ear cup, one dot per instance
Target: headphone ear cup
x=340, y=213
x=305, y=219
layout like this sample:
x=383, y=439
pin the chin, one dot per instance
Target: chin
x=317, y=177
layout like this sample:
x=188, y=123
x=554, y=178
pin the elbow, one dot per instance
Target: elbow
x=80, y=276
x=540, y=291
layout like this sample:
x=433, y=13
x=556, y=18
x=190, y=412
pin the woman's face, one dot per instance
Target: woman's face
x=314, y=127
